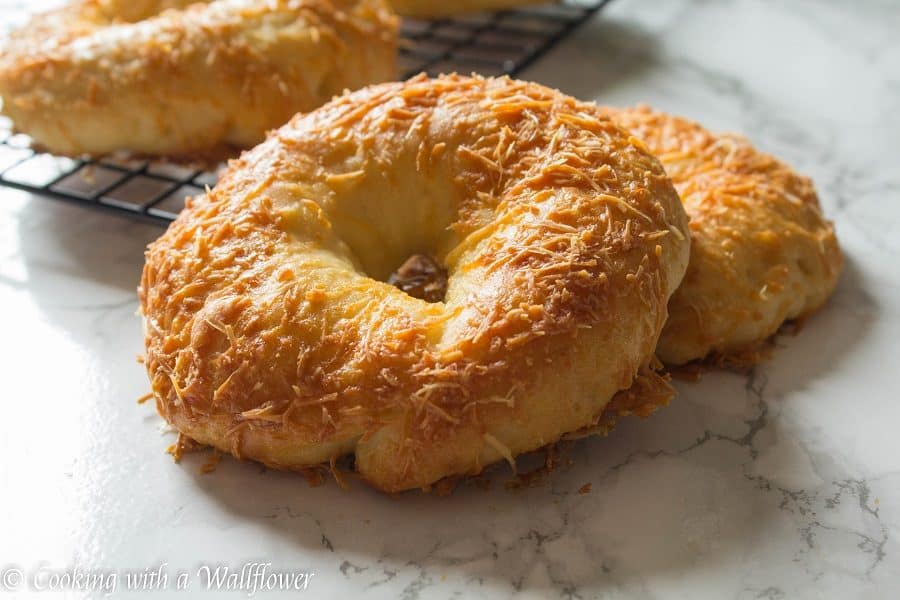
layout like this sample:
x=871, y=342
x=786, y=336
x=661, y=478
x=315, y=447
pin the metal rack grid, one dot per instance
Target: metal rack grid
x=488, y=43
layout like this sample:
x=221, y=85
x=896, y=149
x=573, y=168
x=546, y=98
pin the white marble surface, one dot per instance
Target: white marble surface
x=783, y=484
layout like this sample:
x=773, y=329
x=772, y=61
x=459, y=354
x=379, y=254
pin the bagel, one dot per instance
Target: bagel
x=271, y=331
x=432, y=9
x=158, y=77
x=761, y=250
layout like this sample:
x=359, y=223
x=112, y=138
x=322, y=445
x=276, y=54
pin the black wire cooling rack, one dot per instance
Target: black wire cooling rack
x=488, y=43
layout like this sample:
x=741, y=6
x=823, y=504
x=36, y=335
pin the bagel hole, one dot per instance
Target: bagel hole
x=422, y=277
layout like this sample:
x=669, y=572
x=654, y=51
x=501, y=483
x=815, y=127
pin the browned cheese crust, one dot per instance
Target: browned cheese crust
x=272, y=334
x=171, y=77
x=761, y=250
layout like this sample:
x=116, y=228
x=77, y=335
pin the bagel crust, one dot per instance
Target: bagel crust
x=271, y=332
x=160, y=77
x=761, y=250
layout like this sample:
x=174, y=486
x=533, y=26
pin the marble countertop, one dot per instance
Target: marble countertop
x=781, y=484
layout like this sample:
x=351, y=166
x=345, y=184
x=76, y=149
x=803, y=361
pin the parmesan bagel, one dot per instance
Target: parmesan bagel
x=158, y=77
x=761, y=251
x=270, y=329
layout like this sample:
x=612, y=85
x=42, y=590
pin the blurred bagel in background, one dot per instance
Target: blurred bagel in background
x=761, y=250
x=170, y=77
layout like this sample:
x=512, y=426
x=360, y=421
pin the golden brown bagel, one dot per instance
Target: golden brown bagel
x=271, y=332
x=431, y=9
x=102, y=75
x=761, y=251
